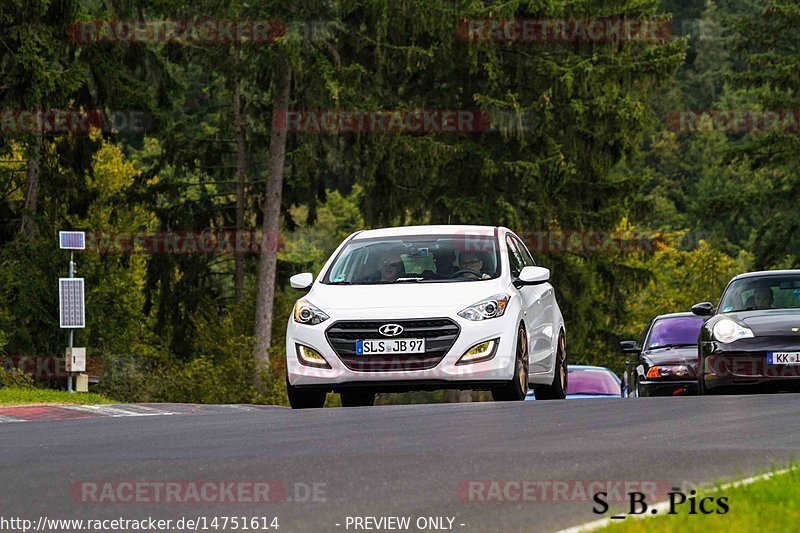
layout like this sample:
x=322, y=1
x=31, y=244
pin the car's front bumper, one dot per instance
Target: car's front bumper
x=744, y=364
x=445, y=374
x=667, y=388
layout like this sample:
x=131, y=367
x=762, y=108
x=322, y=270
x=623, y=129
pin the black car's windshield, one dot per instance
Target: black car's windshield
x=674, y=331
x=764, y=292
x=416, y=259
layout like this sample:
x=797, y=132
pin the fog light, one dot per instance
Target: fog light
x=310, y=357
x=480, y=352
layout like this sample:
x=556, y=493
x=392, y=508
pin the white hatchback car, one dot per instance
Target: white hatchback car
x=426, y=307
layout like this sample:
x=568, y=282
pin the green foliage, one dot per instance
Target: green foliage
x=16, y=378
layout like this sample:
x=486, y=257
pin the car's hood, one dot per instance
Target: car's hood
x=683, y=355
x=403, y=295
x=769, y=322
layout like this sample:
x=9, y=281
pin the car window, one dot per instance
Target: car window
x=523, y=251
x=424, y=258
x=674, y=331
x=514, y=257
x=762, y=292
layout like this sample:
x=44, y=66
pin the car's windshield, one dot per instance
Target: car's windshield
x=675, y=331
x=592, y=381
x=416, y=259
x=765, y=292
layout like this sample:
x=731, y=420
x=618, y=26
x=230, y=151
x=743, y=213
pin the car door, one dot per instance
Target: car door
x=538, y=314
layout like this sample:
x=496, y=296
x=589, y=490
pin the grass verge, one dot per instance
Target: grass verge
x=766, y=505
x=23, y=396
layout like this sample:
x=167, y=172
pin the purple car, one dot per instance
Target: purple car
x=586, y=381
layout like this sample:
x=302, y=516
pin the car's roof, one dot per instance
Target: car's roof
x=765, y=273
x=676, y=315
x=402, y=231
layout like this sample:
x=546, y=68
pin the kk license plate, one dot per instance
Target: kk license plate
x=783, y=358
x=388, y=347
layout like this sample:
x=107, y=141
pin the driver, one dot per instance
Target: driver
x=391, y=267
x=761, y=299
x=473, y=263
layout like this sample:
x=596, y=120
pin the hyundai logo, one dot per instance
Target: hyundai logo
x=390, y=330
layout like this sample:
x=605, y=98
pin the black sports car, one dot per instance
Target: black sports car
x=665, y=362
x=752, y=340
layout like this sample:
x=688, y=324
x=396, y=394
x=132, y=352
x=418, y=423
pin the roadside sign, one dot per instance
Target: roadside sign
x=70, y=301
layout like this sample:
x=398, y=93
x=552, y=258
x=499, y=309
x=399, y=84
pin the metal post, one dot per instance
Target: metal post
x=71, y=274
x=69, y=374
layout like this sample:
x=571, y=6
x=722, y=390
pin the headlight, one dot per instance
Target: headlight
x=489, y=308
x=668, y=371
x=727, y=330
x=308, y=314
x=480, y=352
x=310, y=357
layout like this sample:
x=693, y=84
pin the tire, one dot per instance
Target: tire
x=516, y=389
x=357, y=398
x=304, y=398
x=558, y=389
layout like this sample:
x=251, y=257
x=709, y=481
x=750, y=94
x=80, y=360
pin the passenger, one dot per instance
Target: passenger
x=390, y=267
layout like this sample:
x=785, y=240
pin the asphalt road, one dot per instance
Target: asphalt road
x=408, y=461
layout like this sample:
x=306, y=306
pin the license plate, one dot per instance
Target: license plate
x=783, y=358
x=385, y=347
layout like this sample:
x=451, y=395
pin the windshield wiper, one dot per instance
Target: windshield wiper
x=406, y=280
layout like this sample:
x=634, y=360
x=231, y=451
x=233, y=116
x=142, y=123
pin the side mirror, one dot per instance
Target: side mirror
x=629, y=347
x=703, y=309
x=533, y=275
x=302, y=281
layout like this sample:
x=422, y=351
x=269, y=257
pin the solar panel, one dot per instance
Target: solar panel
x=71, y=240
x=70, y=301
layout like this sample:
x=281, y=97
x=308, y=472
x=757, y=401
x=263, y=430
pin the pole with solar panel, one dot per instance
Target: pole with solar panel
x=71, y=306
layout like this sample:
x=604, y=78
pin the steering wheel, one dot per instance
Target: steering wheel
x=457, y=273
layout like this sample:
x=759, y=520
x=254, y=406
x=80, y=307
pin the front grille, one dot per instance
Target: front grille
x=439, y=335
